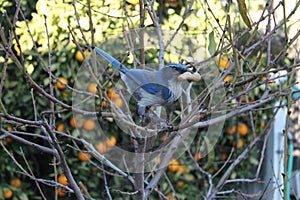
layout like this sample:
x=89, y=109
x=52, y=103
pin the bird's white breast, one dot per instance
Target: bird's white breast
x=176, y=88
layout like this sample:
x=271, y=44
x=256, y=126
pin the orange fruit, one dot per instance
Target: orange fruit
x=173, y=165
x=84, y=156
x=263, y=78
x=61, y=192
x=101, y=147
x=87, y=53
x=92, y=88
x=62, y=179
x=223, y=157
x=60, y=127
x=118, y=102
x=16, y=182
x=66, y=93
x=211, y=170
x=72, y=122
x=170, y=196
x=76, y=123
x=111, y=142
x=80, y=57
x=244, y=98
x=133, y=2
x=158, y=160
x=114, y=97
x=230, y=130
x=271, y=82
x=180, y=183
x=60, y=85
x=173, y=3
x=104, y=104
x=8, y=193
x=243, y=129
x=8, y=139
x=198, y=156
x=110, y=91
x=262, y=125
x=227, y=78
x=9, y=128
x=112, y=94
x=182, y=169
x=239, y=145
x=224, y=62
x=164, y=136
x=89, y=125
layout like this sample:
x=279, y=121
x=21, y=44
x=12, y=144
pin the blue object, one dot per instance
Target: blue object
x=151, y=87
x=296, y=89
x=289, y=167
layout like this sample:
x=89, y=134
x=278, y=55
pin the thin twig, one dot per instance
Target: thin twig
x=105, y=182
x=184, y=17
x=48, y=130
x=32, y=174
x=159, y=33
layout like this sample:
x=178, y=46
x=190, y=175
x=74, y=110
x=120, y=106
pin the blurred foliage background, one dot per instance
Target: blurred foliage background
x=110, y=20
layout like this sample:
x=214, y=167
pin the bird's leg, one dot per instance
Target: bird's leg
x=159, y=122
x=167, y=126
x=141, y=112
x=156, y=119
x=144, y=118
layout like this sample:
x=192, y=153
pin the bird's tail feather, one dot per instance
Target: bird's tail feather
x=115, y=63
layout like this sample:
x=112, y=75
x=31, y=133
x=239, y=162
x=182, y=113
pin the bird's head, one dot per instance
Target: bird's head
x=185, y=72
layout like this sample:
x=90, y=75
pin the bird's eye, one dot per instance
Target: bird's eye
x=191, y=68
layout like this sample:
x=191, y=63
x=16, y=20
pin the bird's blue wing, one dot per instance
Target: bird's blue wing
x=155, y=89
x=148, y=81
x=152, y=88
x=166, y=93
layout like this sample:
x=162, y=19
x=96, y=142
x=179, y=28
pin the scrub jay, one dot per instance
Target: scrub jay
x=153, y=87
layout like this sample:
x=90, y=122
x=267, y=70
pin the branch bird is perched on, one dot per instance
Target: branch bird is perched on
x=153, y=87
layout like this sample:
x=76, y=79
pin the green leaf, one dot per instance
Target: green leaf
x=23, y=196
x=212, y=45
x=253, y=161
x=211, y=157
x=243, y=11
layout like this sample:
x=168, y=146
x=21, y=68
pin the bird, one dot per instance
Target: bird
x=150, y=88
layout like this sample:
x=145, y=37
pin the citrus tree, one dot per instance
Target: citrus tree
x=69, y=129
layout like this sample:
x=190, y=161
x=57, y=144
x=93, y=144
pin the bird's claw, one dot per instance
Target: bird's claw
x=170, y=128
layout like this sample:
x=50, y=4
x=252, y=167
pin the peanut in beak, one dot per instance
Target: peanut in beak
x=188, y=76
